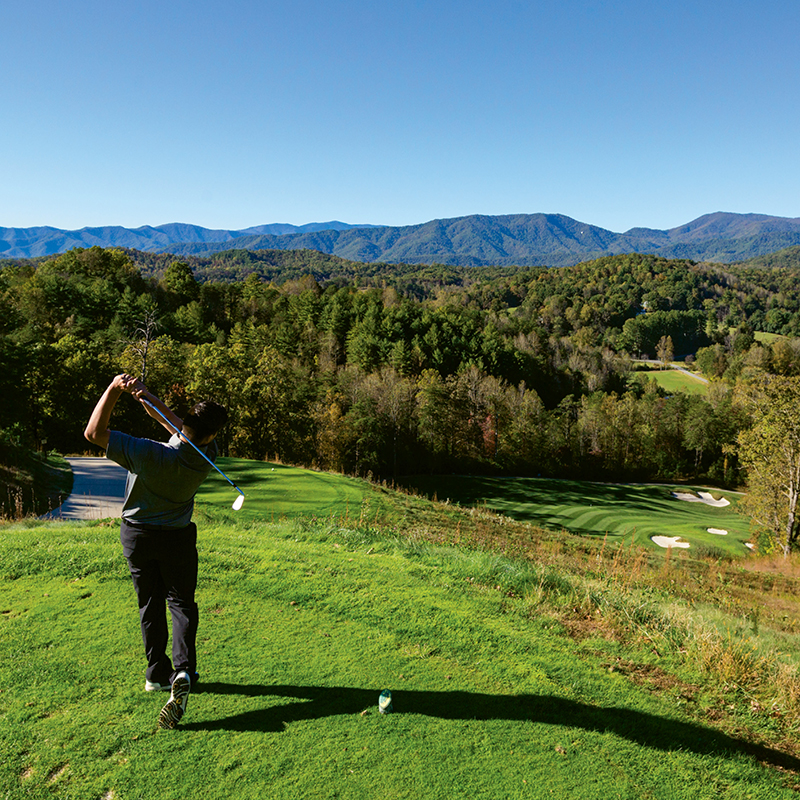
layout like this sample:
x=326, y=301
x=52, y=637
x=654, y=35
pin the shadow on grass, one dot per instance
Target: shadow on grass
x=648, y=730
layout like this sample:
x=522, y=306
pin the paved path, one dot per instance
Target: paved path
x=97, y=490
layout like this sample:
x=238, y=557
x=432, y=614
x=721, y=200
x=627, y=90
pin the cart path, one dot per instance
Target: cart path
x=98, y=490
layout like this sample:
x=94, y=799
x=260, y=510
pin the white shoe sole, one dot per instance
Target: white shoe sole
x=173, y=711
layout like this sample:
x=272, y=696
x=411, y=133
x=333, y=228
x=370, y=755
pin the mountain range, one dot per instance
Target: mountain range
x=476, y=240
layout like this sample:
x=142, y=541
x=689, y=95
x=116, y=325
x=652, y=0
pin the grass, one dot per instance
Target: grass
x=619, y=512
x=673, y=380
x=768, y=338
x=303, y=626
x=276, y=491
x=523, y=662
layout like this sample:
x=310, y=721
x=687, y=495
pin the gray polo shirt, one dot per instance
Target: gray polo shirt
x=163, y=478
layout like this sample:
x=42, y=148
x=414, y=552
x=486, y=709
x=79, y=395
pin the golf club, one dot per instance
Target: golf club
x=237, y=503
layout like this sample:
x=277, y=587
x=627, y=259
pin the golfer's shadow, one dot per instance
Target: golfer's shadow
x=649, y=730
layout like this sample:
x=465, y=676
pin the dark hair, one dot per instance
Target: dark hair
x=206, y=418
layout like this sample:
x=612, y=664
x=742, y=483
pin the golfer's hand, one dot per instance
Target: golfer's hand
x=128, y=383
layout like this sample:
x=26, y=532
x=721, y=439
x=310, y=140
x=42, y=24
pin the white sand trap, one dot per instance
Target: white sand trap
x=669, y=541
x=717, y=531
x=709, y=500
x=687, y=496
x=750, y=545
x=704, y=497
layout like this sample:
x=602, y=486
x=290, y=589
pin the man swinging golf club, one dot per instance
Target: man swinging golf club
x=159, y=540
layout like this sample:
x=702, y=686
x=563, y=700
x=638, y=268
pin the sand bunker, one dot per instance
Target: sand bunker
x=669, y=541
x=717, y=531
x=702, y=497
x=750, y=545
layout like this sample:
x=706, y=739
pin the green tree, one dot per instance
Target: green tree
x=770, y=452
x=665, y=351
x=180, y=282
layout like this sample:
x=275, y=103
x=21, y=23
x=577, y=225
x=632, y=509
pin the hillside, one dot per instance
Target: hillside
x=374, y=368
x=522, y=663
x=476, y=240
x=788, y=258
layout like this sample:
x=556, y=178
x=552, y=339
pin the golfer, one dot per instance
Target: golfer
x=159, y=539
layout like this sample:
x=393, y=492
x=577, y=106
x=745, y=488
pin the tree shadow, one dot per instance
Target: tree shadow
x=648, y=730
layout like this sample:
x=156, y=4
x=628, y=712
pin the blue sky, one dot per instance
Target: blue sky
x=620, y=114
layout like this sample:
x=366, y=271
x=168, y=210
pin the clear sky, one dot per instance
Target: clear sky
x=619, y=113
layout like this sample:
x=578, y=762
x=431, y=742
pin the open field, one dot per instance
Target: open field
x=673, y=380
x=621, y=512
x=768, y=338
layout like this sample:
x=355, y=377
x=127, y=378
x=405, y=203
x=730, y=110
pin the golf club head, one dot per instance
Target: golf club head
x=237, y=503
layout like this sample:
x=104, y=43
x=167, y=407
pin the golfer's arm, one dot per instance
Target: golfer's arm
x=176, y=423
x=96, y=430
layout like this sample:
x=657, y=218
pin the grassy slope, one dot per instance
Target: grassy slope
x=275, y=491
x=304, y=621
x=30, y=482
x=302, y=628
x=768, y=338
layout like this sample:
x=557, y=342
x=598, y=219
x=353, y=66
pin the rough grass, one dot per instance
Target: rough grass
x=304, y=623
x=523, y=663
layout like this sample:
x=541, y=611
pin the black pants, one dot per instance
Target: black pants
x=163, y=565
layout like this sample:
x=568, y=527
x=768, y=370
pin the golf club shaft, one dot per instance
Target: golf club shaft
x=186, y=439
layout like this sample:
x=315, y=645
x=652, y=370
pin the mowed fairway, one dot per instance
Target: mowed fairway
x=619, y=511
x=275, y=491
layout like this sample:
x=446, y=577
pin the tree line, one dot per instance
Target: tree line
x=393, y=371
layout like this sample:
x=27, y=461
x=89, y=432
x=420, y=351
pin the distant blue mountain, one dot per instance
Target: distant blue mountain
x=519, y=239
x=45, y=241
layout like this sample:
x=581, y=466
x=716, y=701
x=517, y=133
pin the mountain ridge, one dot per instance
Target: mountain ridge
x=474, y=240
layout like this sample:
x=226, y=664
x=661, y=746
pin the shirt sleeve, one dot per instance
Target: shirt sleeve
x=130, y=452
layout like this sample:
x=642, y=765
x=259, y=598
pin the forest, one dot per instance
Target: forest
x=385, y=370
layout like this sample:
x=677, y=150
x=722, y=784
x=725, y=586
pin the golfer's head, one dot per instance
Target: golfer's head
x=204, y=420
